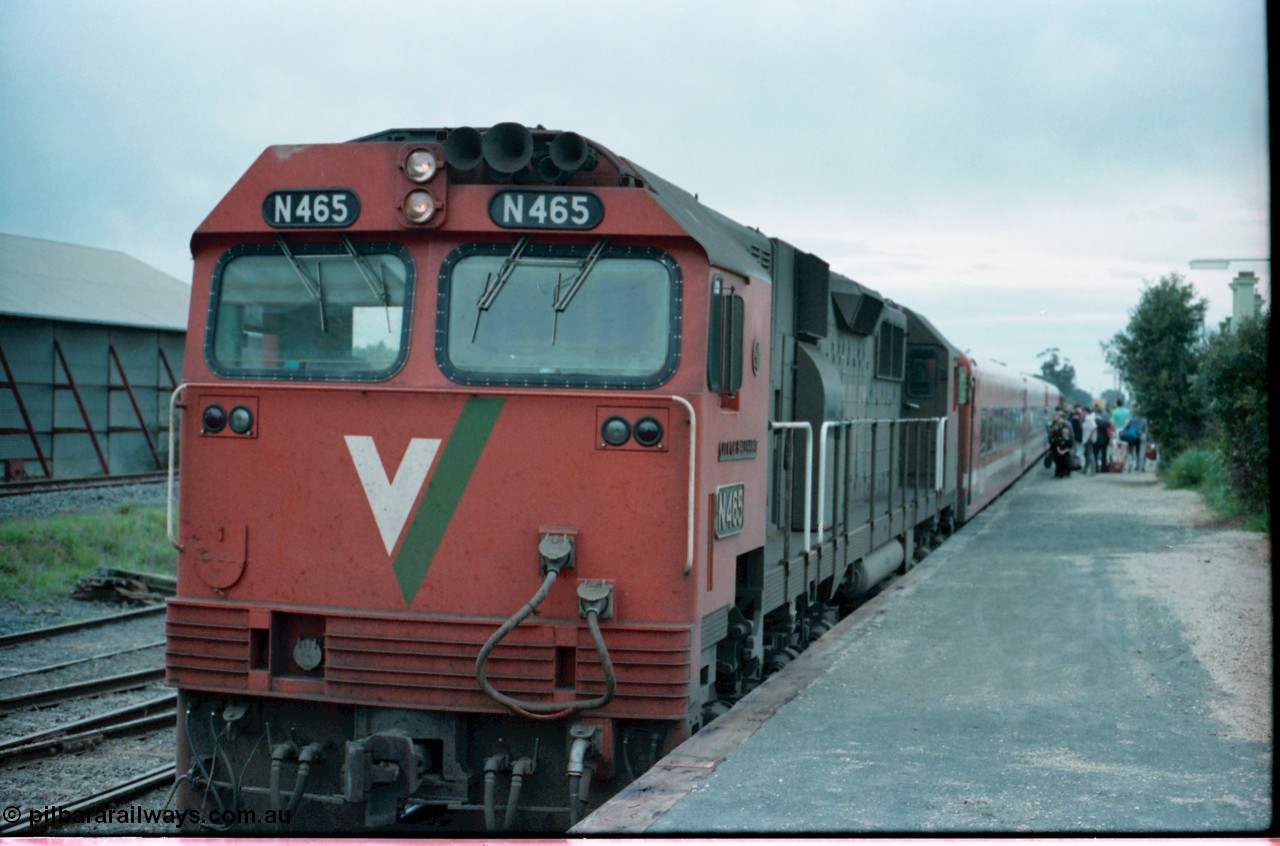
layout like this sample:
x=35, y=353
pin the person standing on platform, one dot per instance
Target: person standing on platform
x=1140, y=449
x=1077, y=439
x=1122, y=439
x=1102, y=441
x=1120, y=416
x=1089, y=435
x=1060, y=445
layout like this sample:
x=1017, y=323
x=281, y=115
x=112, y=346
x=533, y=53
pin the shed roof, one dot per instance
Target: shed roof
x=52, y=280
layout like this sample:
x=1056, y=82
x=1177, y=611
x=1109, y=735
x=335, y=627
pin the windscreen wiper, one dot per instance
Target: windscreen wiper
x=312, y=286
x=493, y=285
x=376, y=285
x=567, y=289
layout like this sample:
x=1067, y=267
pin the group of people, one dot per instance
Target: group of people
x=1105, y=440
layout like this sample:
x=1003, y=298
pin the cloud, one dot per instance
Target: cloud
x=987, y=160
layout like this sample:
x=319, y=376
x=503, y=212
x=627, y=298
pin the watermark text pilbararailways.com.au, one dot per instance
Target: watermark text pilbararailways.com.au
x=57, y=815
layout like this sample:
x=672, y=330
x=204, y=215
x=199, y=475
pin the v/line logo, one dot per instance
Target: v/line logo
x=392, y=499
x=391, y=496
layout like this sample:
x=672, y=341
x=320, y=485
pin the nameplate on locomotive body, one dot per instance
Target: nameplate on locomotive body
x=546, y=210
x=742, y=450
x=323, y=208
x=731, y=501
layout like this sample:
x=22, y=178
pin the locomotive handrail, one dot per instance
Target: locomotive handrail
x=939, y=466
x=693, y=478
x=826, y=427
x=168, y=498
x=808, y=471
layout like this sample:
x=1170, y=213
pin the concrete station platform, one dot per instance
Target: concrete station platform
x=1089, y=655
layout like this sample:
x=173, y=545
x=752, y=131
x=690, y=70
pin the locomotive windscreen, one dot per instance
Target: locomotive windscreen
x=562, y=316
x=315, y=312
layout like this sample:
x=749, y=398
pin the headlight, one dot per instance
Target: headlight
x=420, y=165
x=214, y=418
x=615, y=431
x=241, y=420
x=648, y=432
x=419, y=206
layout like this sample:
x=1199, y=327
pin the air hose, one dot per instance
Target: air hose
x=519, y=770
x=491, y=767
x=278, y=756
x=547, y=710
x=207, y=772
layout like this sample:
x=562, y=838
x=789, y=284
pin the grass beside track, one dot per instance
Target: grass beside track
x=42, y=558
x=1203, y=470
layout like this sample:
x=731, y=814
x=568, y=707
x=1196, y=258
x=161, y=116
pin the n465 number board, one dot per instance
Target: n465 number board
x=546, y=210
x=324, y=208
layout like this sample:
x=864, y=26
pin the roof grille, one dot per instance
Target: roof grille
x=763, y=258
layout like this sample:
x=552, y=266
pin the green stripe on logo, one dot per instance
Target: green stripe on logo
x=461, y=452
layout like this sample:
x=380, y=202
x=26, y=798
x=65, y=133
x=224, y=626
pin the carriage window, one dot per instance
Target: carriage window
x=539, y=315
x=310, y=312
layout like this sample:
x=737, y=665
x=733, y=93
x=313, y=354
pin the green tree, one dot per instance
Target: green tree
x=1062, y=374
x=1157, y=356
x=1233, y=382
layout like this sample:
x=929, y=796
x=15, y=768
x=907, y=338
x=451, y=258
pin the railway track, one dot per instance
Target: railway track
x=79, y=625
x=77, y=810
x=39, y=486
x=82, y=713
x=151, y=715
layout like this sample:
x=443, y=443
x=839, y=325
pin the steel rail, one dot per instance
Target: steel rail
x=73, y=742
x=39, y=486
x=110, y=684
x=53, y=668
x=128, y=789
x=65, y=628
x=106, y=718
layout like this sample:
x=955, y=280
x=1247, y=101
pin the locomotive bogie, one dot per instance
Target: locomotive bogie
x=358, y=767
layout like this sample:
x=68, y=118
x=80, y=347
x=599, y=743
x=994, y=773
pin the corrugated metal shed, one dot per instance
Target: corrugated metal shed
x=51, y=280
x=91, y=346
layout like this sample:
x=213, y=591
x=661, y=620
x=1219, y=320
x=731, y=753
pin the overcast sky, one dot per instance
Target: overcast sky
x=1014, y=169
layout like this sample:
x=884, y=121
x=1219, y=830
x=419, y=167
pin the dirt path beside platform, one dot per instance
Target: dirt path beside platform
x=1218, y=585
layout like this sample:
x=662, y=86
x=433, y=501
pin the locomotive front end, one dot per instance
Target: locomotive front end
x=448, y=523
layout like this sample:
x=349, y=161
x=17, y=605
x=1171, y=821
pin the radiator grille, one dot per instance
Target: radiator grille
x=430, y=663
x=207, y=642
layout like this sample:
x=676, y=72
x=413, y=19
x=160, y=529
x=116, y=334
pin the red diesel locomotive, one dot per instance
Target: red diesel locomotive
x=507, y=465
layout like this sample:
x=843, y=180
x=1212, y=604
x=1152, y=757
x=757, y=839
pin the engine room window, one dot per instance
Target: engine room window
x=541, y=315
x=310, y=312
x=891, y=349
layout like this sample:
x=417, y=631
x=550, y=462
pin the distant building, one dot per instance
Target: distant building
x=90, y=349
x=1245, y=300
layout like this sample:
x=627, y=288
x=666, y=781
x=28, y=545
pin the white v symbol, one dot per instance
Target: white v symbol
x=392, y=501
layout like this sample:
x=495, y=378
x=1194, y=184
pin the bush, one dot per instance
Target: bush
x=1233, y=381
x=1191, y=468
x=1204, y=469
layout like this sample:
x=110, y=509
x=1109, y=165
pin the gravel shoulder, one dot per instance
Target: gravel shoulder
x=1217, y=583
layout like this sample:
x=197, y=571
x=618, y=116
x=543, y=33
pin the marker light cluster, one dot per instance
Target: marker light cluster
x=421, y=165
x=617, y=430
x=215, y=419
